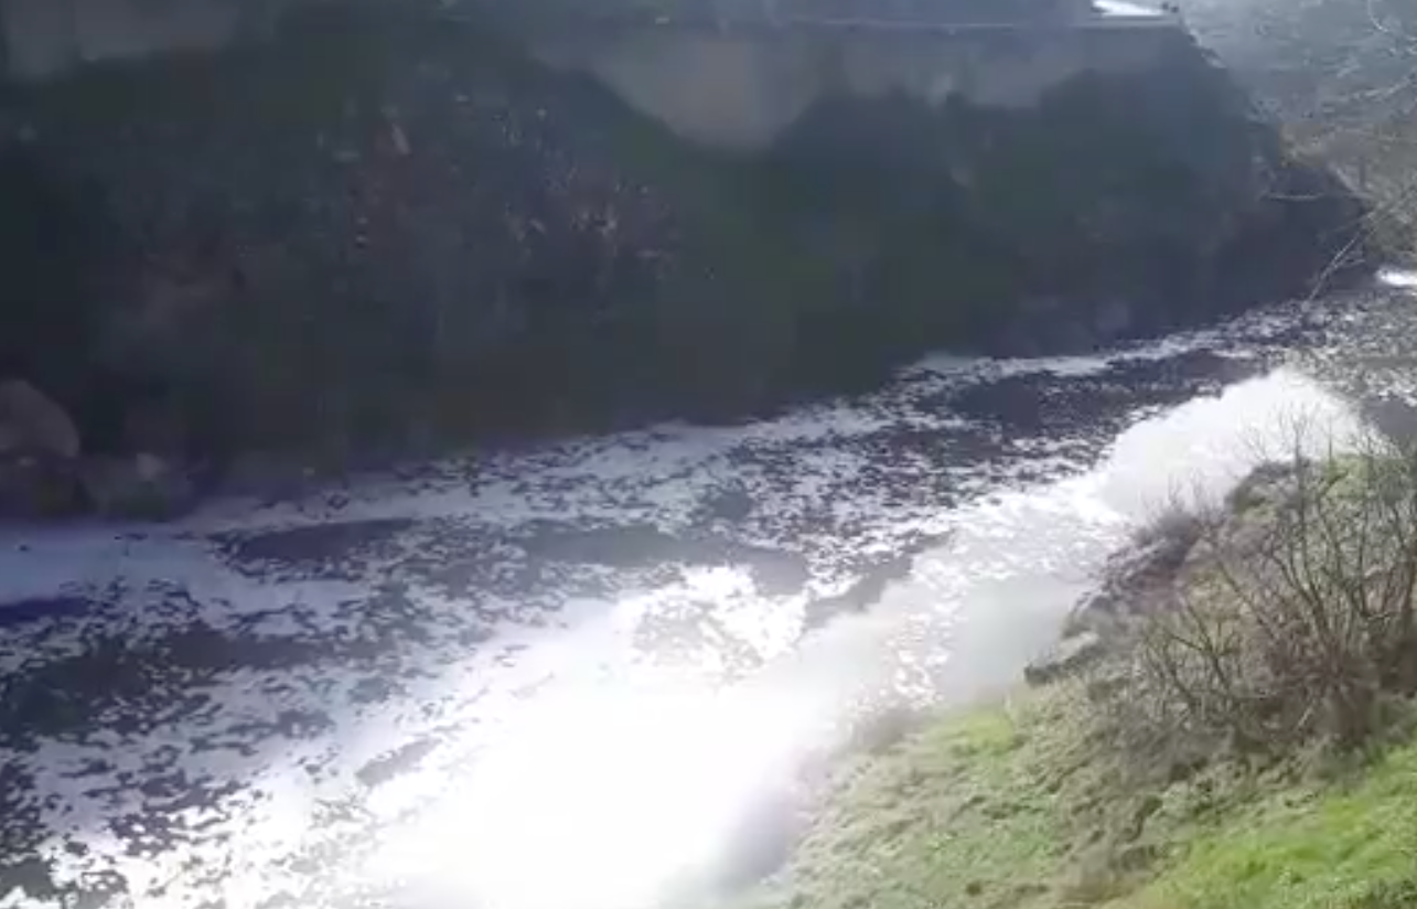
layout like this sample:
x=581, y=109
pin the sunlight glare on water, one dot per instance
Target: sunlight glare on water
x=1197, y=452
x=602, y=795
x=1404, y=280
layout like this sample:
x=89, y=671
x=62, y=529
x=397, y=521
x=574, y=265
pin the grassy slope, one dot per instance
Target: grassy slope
x=1008, y=807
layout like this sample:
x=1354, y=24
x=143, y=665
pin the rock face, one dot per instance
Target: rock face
x=1140, y=578
x=1134, y=583
x=384, y=230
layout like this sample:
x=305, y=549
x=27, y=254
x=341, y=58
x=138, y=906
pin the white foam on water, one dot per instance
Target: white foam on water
x=659, y=473
x=1254, y=327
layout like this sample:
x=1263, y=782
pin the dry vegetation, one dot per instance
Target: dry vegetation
x=1297, y=619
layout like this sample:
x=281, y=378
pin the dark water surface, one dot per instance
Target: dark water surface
x=557, y=680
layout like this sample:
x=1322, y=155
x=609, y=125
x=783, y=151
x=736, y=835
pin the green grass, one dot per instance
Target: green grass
x=1350, y=844
x=1014, y=807
x=961, y=815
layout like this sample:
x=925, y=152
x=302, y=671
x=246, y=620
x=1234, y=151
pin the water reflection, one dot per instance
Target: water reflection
x=600, y=796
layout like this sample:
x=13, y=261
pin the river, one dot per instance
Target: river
x=562, y=678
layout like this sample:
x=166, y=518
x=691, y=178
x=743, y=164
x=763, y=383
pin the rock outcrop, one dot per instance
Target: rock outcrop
x=1167, y=562
x=385, y=230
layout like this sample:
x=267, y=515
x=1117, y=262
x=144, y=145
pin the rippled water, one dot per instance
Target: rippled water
x=559, y=680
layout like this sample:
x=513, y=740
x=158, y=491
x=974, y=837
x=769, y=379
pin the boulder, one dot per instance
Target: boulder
x=32, y=423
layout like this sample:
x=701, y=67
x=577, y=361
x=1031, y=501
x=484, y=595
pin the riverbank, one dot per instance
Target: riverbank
x=1012, y=805
x=1189, y=760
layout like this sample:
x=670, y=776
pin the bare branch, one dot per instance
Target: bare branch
x=1297, y=616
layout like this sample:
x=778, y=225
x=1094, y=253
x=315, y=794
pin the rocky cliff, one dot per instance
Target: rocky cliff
x=384, y=230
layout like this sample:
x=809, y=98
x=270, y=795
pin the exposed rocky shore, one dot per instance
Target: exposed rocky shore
x=386, y=231
x=1165, y=564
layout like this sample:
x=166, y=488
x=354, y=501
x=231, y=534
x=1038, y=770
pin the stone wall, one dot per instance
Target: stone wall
x=44, y=38
x=741, y=89
x=738, y=87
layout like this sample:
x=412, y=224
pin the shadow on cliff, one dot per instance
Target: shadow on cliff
x=386, y=232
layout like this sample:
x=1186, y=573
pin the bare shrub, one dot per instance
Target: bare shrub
x=1296, y=617
x=1172, y=521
